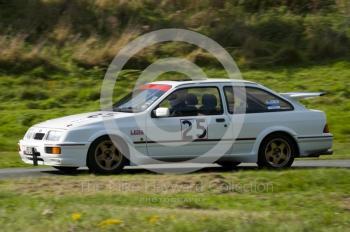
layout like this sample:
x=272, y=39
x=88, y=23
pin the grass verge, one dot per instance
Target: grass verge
x=293, y=200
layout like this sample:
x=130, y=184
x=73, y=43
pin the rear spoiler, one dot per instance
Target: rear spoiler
x=300, y=95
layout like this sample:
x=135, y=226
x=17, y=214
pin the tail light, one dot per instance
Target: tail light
x=326, y=129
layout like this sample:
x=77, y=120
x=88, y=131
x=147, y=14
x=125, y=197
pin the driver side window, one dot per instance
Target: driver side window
x=194, y=102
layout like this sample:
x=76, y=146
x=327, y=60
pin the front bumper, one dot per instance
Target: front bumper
x=72, y=154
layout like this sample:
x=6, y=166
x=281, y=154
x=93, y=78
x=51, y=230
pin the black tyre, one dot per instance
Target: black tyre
x=277, y=151
x=104, y=157
x=228, y=165
x=66, y=169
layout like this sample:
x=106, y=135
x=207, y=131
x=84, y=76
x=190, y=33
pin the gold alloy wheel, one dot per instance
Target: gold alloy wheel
x=107, y=155
x=278, y=152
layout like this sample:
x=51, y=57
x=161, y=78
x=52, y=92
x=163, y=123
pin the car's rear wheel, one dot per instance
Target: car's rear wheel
x=66, y=169
x=277, y=151
x=228, y=165
x=104, y=157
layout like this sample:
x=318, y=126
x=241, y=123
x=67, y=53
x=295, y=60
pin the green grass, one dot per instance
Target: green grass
x=52, y=57
x=53, y=53
x=28, y=99
x=293, y=200
x=11, y=159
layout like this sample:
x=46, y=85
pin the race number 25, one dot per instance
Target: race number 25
x=192, y=129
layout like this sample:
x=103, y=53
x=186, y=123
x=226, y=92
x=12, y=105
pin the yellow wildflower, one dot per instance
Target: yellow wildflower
x=76, y=216
x=111, y=221
x=153, y=219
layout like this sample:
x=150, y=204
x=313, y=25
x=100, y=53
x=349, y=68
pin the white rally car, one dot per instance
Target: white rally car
x=196, y=117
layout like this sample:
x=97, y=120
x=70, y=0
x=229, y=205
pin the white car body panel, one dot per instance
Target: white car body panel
x=79, y=131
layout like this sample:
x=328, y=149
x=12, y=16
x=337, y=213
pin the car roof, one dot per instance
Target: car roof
x=203, y=81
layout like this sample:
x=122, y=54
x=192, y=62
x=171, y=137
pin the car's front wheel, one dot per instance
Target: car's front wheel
x=277, y=151
x=104, y=157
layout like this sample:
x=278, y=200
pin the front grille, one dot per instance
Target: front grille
x=39, y=136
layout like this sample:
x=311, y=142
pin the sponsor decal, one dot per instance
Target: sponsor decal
x=273, y=104
x=161, y=87
x=97, y=115
x=136, y=132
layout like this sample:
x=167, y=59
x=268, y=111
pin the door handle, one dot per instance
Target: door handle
x=220, y=120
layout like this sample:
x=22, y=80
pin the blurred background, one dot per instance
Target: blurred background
x=54, y=53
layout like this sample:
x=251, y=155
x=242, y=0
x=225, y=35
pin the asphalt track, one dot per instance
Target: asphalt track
x=49, y=171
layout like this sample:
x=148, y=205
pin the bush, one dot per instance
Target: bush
x=323, y=41
x=33, y=94
x=296, y=6
x=44, y=37
x=278, y=28
x=288, y=55
x=89, y=94
x=67, y=96
x=231, y=33
x=7, y=95
x=33, y=105
x=204, y=59
x=28, y=119
x=50, y=103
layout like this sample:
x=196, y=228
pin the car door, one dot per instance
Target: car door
x=195, y=125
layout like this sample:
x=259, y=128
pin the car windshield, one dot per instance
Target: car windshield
x=141, y=99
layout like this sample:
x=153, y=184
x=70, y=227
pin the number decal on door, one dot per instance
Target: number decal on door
x=186, y=127
x=203, y=127
x=192, y=129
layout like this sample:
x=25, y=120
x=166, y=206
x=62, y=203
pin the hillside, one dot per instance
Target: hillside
x=53, y=53
x=61, y=34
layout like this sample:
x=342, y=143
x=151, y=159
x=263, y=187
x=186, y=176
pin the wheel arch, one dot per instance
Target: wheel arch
x=285, y=131
x=122, y=144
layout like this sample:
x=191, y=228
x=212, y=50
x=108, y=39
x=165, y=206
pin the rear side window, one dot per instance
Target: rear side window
x=257, y=101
